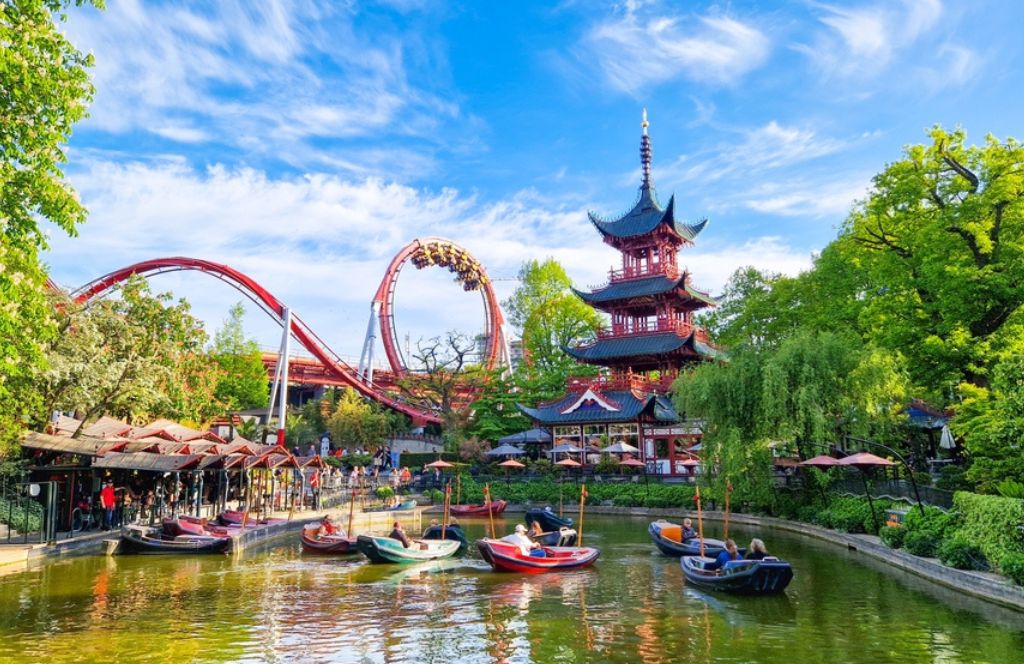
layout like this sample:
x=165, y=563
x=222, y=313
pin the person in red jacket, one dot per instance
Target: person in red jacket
x=107, y=502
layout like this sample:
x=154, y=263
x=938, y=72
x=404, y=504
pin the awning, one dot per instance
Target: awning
x=157, y=463
x=85, y=445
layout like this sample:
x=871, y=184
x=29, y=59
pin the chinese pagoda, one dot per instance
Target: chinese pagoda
x=652, y=337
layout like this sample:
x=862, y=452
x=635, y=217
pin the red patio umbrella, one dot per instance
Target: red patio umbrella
x=862, y=461
x=511, y=463
x=569, y=463
x=821, y=461
x=440, y=463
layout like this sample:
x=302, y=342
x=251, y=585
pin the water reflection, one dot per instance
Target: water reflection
x=277, y=605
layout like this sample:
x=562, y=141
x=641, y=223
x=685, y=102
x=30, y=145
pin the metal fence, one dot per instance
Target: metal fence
x=28, y=511
x=896, y=490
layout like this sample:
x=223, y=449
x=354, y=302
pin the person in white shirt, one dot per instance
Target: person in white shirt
x=519, y=537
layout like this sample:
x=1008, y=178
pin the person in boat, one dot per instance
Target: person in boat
x=526, y=545
x=327, y=526
x=757, y=550
x=729, y=555
x=398, y=533
x=535, y=531
x=688, y=531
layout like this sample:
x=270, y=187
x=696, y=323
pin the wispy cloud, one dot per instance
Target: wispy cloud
x=643, y=46
x=267, y=78
x=861, y=42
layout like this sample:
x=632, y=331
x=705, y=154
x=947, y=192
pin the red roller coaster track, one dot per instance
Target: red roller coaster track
x=468, y=271
x=270, y=304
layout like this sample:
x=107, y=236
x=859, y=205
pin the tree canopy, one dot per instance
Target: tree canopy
x=243, y=383
x=44, y=91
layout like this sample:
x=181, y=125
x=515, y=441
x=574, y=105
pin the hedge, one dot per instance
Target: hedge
x=420, y=459
x=13, y=515
x=1012, y=565
x=991, y=522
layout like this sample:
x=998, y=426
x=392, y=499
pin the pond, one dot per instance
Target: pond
x=278, y=605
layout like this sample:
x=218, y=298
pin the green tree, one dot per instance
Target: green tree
x=992, y=423
x=941, y=238
x=128, y=357
x=550, y=316
x=44, y=90
x=356, y=422
x=243, y=383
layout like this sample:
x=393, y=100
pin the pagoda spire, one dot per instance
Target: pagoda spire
x=645, y=154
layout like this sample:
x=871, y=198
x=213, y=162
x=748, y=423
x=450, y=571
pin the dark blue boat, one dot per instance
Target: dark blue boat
x=548, y=520
x=741, y=577
x=667, y=537
x=451, y=532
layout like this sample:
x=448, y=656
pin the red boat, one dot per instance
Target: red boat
x=190, y=525
x=508, y=557
x=327, y=544
x=497, y=507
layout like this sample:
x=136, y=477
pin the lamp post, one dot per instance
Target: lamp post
x=910, y=471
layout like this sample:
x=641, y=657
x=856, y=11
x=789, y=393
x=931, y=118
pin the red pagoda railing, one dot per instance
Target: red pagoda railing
x=682, y=328
x=670, y=271
x=623, y=381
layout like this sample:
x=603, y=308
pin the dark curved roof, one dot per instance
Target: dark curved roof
x=645, y=216
x=648, y=286
x=630, y=408
x=648, y=344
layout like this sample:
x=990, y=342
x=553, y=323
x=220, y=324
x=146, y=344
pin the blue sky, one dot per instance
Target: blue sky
x=304, y=143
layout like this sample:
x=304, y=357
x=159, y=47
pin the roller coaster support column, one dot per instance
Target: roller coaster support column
x=282, y=405
x=366, y=357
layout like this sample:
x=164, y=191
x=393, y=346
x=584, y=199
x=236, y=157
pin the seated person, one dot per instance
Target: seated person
x=688, y=531
x=526, y=546
x=535, y=531
x=729, y=555
x=397, y=533
x=327, y=527
x=757, y=550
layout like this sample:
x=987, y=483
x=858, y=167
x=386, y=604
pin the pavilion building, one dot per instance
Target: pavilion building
x=652, y=338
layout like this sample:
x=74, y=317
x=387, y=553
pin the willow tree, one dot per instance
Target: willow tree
x=805, y=395
x=44, y=91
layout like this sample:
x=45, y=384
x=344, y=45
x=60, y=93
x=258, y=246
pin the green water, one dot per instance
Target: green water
x=278, y=605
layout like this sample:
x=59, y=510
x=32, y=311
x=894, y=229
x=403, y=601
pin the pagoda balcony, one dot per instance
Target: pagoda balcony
x=642, y=272
x=682, y=328
x=623, y=381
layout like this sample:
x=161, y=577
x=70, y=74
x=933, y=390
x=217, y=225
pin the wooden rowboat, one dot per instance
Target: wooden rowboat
x=496, y=508
x=508, y=557
x=452, y=532
x=338, y=545
x=547, y=519
x=742, y=577
x=387, y=550
x=138, y=540
x=667, y=537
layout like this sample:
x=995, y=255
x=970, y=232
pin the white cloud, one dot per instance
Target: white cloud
x=642, y=48
x=268, y=78
x=861, y=42
x=807, y=198
x=321, y=243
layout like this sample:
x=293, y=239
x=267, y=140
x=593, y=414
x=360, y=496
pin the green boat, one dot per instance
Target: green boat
x=387, y=550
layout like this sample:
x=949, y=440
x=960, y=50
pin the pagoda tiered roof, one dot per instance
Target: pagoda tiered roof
x=607, y=406
x=646, y=216
x=619, y=291
x=634, y=347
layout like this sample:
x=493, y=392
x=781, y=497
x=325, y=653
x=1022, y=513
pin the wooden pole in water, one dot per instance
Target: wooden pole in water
x=583, y=500
x=487, y=504
x=458, y=489
x=700, y=523
x=444, y=513
x=728, y=492
x=560, y=499
x=351, y=512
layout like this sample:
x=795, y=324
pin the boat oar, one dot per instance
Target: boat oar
x=728, y=492
x=444, y=513
x=487, y=503
x=700, y=523
x=583, y=499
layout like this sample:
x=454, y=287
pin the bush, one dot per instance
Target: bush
x=851, y=514
x=1012, y=565
x=807, y=514
x=960, y=553
x=385, y=492
x=893, y=537
x=992, y=523
x=953, y=478
x=22, y=516
x=921, y=543
x=935, y=522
